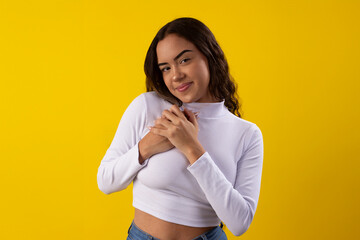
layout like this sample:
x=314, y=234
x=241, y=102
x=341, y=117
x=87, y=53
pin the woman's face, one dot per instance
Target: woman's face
x=184, y=68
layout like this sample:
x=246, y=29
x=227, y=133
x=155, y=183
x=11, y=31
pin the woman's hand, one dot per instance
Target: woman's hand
x=152, y=144
x=181, y=129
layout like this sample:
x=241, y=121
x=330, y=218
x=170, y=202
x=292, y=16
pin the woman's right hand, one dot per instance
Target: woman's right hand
x=152, y=144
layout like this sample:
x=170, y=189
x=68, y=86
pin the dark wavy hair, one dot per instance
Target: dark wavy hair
x=221, y=85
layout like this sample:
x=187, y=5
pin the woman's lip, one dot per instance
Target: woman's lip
x=184, y=87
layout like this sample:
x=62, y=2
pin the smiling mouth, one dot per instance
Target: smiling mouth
x=184, y=87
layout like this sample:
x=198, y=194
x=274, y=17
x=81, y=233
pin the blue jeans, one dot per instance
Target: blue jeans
x=135, y=233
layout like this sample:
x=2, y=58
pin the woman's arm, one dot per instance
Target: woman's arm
x=127, y=154
x=120, y=164
x=152, y=144
x=234, y=205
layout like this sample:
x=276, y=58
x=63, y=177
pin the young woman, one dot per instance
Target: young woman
x=194, y=162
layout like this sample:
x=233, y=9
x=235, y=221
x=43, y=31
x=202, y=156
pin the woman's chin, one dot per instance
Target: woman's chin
x=185, y=99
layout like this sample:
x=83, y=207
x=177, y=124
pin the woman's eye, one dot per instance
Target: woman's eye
x=185, y=60
x=164, y=69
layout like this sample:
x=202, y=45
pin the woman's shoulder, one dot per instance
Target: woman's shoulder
x=152, y=97
x=245, y=126
x=151, y=103
x=147, y=99
x=242, y=122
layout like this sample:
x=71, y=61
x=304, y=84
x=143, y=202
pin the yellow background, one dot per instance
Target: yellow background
x=69, y=69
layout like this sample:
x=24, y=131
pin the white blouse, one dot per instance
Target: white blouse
x=222, y=185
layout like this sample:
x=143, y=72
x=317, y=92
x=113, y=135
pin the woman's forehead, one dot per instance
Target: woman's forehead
x=171, y=46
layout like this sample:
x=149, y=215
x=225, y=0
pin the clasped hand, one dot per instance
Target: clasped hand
x=181, y=129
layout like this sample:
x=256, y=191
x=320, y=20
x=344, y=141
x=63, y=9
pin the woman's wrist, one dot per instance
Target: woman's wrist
x=194, y=153
x=143, y=153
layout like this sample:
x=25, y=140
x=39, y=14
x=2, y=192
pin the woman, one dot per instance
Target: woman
x=192, y=161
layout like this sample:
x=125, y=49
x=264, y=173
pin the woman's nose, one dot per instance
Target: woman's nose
x=177, y=74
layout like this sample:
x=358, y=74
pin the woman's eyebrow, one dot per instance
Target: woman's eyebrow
x=179, y=55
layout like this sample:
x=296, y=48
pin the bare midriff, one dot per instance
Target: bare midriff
x=166, y=230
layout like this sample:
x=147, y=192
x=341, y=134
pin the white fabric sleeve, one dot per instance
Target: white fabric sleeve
x=234, y=205
x=121, y=164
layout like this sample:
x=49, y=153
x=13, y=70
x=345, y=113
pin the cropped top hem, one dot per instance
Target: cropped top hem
x=162, y=206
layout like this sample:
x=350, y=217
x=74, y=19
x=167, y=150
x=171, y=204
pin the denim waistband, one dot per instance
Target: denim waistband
x=138, y=234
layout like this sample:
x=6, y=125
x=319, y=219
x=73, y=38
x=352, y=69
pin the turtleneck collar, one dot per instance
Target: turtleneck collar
x=206, y=110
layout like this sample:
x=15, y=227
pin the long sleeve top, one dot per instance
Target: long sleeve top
x=222, y=185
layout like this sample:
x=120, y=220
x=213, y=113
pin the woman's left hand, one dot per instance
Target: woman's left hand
x=181, y=131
